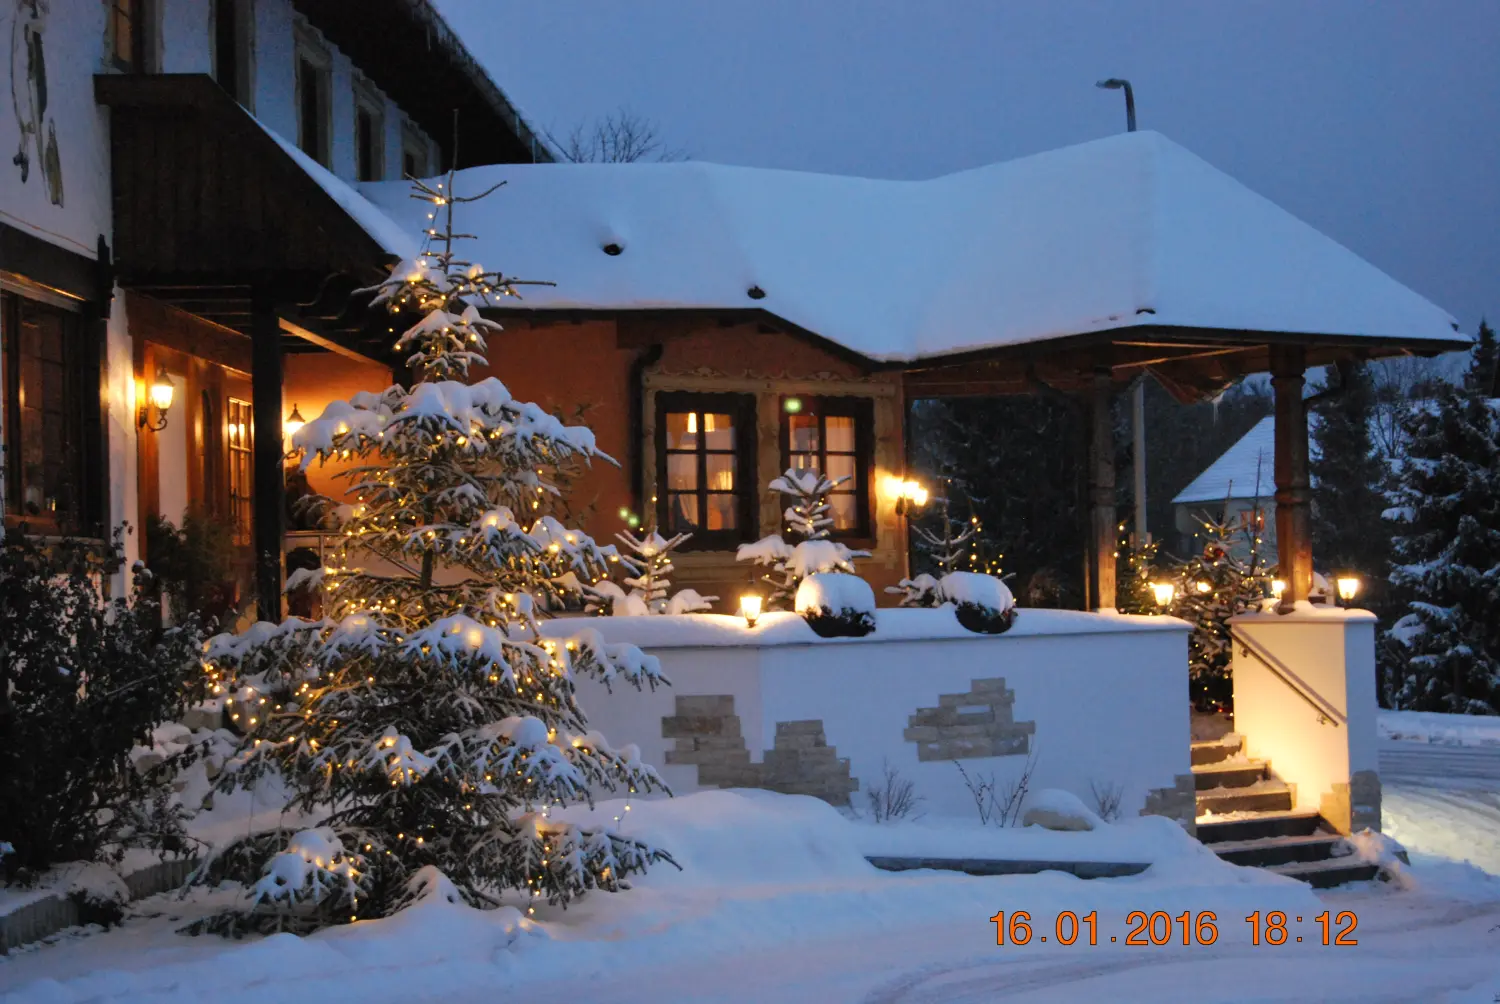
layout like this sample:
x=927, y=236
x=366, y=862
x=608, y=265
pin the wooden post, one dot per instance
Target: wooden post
x=270, y=478
x=1102, y=537
x=1293, y=485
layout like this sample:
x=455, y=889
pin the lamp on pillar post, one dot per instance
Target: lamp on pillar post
x=1101, y=466
x=1293, y=484
x=270, y=477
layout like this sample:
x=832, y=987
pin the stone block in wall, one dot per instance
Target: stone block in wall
x=682, y=726
x=1364, y=801
x=1179, y=802
x=979, y=723
x=706, y=705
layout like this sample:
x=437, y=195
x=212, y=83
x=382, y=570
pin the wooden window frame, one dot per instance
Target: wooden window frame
x=742, y=409
x=140, y=15
x=367, y=101
x=82, y=411
x=310, y=55
x=239, y=458
x=415, y=144
x=862, y=410
x=242, y=13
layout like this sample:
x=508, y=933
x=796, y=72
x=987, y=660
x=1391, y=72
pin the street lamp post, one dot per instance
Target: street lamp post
x=1138, y=393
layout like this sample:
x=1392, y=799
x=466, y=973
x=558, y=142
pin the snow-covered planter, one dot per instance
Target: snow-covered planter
x=837, y=605
x=982, y=603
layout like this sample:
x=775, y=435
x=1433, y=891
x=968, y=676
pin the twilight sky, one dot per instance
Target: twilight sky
x=1376, y=121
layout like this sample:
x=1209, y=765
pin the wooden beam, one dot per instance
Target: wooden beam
x=270, y=478
x=292, y=328
x=1102, y=515
x=1293, y=484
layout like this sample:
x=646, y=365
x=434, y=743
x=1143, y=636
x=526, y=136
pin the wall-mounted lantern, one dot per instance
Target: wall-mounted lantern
x=909, y=494
x=1348, y=586
x=159, y=396
x=1163, y=593
x=293, y=423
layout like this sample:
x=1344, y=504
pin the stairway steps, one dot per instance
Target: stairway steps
x=1231, y=774
x=1262, y=797
x=1267, y=851
x=1214, y=751
x=1329, y=873
x=1287, y=823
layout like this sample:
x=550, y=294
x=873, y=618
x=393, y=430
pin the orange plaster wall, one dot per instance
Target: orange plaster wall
x=745, y=349
x=310, y=381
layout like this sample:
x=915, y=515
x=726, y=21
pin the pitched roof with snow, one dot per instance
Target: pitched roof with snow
x=1244, y=471
x=1124, y=231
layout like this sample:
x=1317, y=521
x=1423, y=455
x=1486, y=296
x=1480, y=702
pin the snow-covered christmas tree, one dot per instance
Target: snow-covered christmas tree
x=947, y=543
x=809, y=522
x=648, y=579
x=426, y=725
x=1211, y=587
x=1444, y=654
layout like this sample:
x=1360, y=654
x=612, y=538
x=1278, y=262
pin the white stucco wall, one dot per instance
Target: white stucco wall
x=1107, y=694
x=1331, y=652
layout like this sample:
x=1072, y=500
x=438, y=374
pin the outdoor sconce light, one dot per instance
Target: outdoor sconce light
x=158, y=397
x=750, y=608
x=1164, y=593
x=1278, y=586
x=293, y=423
x=1348, y=586
x=909, y=494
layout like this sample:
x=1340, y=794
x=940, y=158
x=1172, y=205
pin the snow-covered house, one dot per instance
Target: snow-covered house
x=1236, y=488
x=176, y=211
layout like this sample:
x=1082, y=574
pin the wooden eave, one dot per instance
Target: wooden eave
x=208, y=206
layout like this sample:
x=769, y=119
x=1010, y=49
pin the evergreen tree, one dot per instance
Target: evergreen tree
x=809, y=523
x=1211, y=587
x=1135, y=571
x=426, y=725
x=649, y=568
x=1347, y=472
x=1444, y=653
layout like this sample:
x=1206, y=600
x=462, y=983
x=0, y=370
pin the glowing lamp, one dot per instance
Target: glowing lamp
x=1204, y=587
x=750, y=608
x=293, y=422
x=1348, y=586
x=792, y=405
x=1164, y=593
x=159, y=396
x=1278, y=586
x=908, y=494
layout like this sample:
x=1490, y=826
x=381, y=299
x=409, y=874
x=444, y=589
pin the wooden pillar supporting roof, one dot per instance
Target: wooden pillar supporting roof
x=1101, y=468
x=1293, y=483
x=270, y=477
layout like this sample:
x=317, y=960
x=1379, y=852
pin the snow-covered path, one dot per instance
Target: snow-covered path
x=1408, y=760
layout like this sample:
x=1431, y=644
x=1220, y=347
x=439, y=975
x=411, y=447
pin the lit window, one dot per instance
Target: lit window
x=705, y=453
x=832, y=435
x=238, y=456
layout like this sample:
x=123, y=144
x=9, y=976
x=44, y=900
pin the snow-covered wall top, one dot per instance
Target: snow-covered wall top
x=1128, y=230
x=894, y=624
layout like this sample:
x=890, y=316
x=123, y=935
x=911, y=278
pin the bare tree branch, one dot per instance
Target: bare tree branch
x=620, y=137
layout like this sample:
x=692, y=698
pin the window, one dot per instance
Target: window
x=233, y=28
x=51, y=373
x=130, y=32
x=238, y=436
x=833, y=435
x=313, y=100
x=706, y=467
x=369, y=134
x=413, y=153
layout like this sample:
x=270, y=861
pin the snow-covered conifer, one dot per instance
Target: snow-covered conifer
x=809, y=522
x=425, y=722
x=649, y=568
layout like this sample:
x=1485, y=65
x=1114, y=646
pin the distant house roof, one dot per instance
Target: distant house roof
x=1243, y=471
x=1131, y=230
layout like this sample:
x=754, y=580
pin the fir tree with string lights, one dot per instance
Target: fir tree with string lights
x=1211, y=587
x=1136, y=571
x=426, y=725
x=810, y=524
x=648, y=577
x=949, y=544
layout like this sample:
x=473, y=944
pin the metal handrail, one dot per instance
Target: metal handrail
x=1327, y=713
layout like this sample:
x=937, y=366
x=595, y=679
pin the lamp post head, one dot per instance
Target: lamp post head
x=1112, y=84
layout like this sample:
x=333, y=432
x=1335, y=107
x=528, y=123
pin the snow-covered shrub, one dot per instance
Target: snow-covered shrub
x=809, y=522
x=917, y=591
x=982, y=603
x=648, y=565
x=424, y=722
x=837, y=604
x=83, y=679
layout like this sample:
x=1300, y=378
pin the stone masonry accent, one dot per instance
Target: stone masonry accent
x=1179, y=802
x=708, y=735
x=977, y=724
x=1354, y=806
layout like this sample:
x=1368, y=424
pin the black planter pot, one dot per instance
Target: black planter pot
x=846, y=623
x=984, y=620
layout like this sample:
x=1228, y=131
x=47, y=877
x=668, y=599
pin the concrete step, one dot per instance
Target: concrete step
x=1264, y=796
x=1329, y=873
x=1231, y=774
x=1214, y=750
x=1290, y=823
x=1267, y=851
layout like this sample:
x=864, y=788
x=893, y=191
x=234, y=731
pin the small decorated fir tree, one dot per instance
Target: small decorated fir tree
x=427, y=724
x=1211, y=587
x=1136, y=570
x=649, y=568
x=809, y=522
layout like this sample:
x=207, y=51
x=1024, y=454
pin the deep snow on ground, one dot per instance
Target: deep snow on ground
x=1440, y=729
x=775, y=902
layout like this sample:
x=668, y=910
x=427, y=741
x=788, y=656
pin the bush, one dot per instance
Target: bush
x=193, y=566
x=83, y=679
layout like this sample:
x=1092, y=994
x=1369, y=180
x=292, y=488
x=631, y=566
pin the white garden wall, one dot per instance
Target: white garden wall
x=1105, y=696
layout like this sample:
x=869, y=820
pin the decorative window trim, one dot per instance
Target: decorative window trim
x=368, y=99
x=243, y=85
x=310, y=51
x=145, y=23
x=862, y=410
x=414, y=144
x=742, y=408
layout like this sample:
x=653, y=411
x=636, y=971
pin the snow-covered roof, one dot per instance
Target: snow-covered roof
x=1128, y=230
x=1244, y=471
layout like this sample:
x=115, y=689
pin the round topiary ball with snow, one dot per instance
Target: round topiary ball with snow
x=982, y=603
x=837, y=604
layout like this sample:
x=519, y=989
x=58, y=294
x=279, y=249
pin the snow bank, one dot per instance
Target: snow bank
x=1440, y=729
